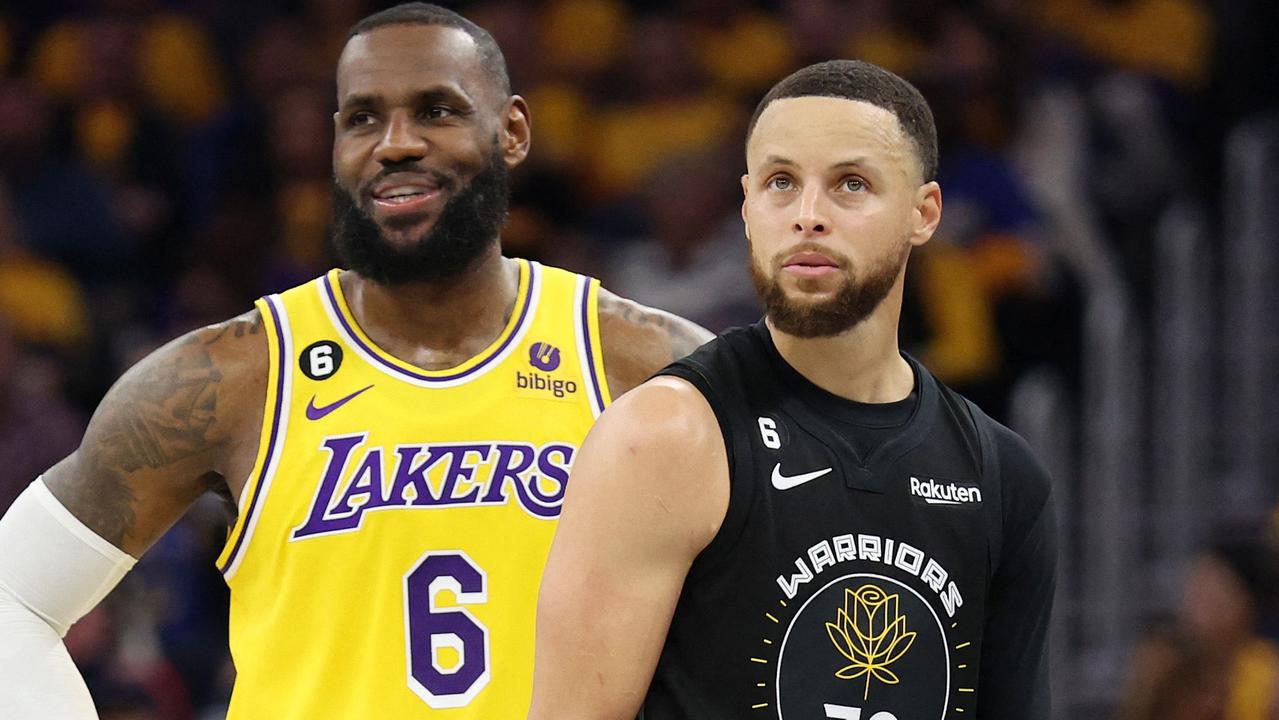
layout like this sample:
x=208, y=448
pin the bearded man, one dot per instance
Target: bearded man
x=798, y=521
x=393, y=440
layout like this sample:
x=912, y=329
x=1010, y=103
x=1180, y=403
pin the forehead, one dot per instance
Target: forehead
x=821, y=131
x=405, y=59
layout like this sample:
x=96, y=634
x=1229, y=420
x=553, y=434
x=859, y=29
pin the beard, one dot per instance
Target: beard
x=852, y=304
x=465, y=230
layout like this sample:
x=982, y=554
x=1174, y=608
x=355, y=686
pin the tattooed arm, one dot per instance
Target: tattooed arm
x=638, y=341
x=173, y=427
x=184, y=420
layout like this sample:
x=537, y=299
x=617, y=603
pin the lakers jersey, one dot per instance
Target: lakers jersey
x=391, y=539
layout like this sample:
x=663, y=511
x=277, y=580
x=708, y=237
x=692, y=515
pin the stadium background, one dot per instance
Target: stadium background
x=1103, y=280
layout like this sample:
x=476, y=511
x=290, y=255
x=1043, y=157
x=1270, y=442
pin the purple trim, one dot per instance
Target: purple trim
x=586, y=342
x=373, y=353
x=271, y=444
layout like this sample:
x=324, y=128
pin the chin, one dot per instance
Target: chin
x=405, y=237
x=811, y=291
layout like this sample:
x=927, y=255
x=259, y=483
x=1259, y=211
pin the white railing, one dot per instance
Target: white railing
x=1181, y=399
x=1250, y=328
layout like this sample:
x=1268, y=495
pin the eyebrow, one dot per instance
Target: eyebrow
x=421, y=97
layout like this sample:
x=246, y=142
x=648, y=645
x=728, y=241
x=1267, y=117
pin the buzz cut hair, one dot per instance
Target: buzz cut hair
x=864, y=82
x=420, y=13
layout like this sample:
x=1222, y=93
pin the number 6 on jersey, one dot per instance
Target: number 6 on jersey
x=429, y=629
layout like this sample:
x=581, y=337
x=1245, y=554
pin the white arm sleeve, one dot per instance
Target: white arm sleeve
x=53, y=570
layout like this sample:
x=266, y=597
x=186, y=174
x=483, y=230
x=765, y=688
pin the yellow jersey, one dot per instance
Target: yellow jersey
x=391, y=538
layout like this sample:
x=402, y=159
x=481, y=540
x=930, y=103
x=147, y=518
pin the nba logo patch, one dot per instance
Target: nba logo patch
x=544, y=356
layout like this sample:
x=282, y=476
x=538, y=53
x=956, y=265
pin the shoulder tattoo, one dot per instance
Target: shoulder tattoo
x=161, y=417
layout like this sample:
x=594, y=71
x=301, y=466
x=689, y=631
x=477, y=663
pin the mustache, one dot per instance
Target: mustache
x=814, y=247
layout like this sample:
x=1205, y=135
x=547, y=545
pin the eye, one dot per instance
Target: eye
x=779, y=182
x=440, y=112
x=356, y=119
x=852, y=184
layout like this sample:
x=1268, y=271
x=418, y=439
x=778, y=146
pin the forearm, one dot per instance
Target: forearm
x=38, y=680
x=53, y=570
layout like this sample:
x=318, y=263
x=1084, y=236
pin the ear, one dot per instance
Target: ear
x=516, y=133
x=927, y=213
x=746, y=180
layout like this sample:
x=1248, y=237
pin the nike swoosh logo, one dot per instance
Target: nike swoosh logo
x=315, y=413
x=783, y=482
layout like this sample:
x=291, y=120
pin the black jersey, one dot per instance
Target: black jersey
x=894, y=571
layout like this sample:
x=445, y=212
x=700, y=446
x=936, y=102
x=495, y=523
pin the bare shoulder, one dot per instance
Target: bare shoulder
x=639, y=340
x=172, y=427
x=656, y=453
x=665, y=410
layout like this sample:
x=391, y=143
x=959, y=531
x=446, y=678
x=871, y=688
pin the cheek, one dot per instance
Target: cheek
x=766, y=220
x=463, y=147
x=872, y=224
x=348, y=159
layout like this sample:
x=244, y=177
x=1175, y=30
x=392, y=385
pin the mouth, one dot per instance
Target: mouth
x=401, y=195
x=810, y=264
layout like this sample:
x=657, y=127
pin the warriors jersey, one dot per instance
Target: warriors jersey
x=391, y=539
x=877, y=562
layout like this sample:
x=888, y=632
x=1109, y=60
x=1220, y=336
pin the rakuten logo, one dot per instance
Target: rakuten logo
x=935, y=493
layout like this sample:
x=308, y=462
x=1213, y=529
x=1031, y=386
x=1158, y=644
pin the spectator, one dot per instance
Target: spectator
x=693, y=262
x=37, y=425
x=1171, y=680
x=81, y=234
x=1227, y=591
x=668, y=108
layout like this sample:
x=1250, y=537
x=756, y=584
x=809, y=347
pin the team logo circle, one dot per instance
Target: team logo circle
x=320, y=360
x=864, y=643
x=544, y=356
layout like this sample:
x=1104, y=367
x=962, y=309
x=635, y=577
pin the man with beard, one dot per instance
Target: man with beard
x=393, y=441
x=797, y=521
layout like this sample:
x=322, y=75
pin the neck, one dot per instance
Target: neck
x=868, y=368
x=437, y=325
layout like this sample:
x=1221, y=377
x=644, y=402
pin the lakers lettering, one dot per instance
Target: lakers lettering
x=358, y=479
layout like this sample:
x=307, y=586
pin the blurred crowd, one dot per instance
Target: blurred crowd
x=1215, y=657
x=163, y=163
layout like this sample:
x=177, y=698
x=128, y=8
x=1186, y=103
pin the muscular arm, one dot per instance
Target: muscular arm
x=648, y=491
x=174, y=426
x=639, y=340
x=171, y=428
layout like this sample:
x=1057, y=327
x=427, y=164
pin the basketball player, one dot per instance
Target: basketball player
x=797, y=521
x=395, y=438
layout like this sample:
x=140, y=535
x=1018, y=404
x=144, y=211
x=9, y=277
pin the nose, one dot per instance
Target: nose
x=811, y=216
x=400, y=141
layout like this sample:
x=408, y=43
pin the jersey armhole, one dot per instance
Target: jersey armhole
x=739, y=490
x=988, y=457
x=270, y=439
x=586, y=322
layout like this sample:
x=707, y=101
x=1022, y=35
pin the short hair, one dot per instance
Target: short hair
x=859, y=80
x=420, y=13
